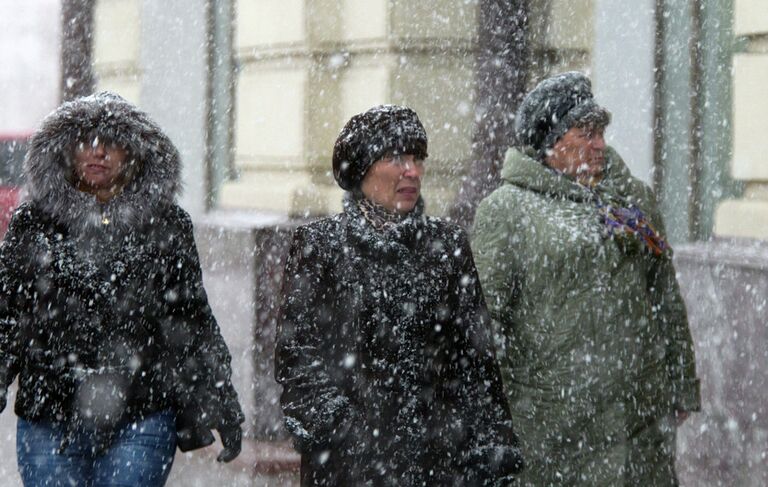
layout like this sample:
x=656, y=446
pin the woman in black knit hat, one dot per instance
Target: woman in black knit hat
x=384, y=350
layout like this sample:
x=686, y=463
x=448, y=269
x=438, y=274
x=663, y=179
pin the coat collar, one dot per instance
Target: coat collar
x=396, y=241
x=521, y=169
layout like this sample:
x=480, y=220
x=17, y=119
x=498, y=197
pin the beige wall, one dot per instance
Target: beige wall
x=750, y=145
x=116, y=47
x=748, y=216
x=308, y=65
x=375, y=14
x=562, y=36
x=270, y=22
x=433, y=19
x=272, y=49
x=570, y=24
x=750, y=17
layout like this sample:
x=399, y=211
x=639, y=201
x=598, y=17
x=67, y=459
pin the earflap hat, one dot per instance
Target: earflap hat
x=553, y=107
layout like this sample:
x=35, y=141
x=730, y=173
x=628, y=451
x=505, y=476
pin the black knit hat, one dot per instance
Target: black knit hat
x=552, y=108
x=371, y=135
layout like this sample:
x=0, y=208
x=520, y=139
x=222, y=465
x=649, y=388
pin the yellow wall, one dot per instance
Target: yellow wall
x=748, y=216
x=307, y=67
x=116, y=47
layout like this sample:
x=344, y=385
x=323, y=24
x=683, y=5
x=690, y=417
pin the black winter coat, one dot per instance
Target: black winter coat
x=103, y=314
x=386, y=359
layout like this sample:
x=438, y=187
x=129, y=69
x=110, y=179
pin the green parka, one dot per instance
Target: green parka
x=591, y=330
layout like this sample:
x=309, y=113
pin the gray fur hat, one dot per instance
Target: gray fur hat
x=369, y=136
x=552, y=108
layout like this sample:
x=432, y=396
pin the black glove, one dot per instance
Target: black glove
x=3, y=398
x=232, y=439
x=192, y=438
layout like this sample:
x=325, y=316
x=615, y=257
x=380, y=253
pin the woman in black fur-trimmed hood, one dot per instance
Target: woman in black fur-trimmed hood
x=384, y=353
x=103, y=315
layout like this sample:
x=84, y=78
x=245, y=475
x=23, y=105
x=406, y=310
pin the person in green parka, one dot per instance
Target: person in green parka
x=591, y=329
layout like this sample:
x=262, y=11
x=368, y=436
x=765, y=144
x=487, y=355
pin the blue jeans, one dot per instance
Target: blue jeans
x=141, y=454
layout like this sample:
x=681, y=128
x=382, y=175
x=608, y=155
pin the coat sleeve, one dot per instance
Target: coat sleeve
x=668, y=305
x=495, y=449
x=496, y=249
x=670, y=312
x=12, y=292
x=313, y=404
x=200, y=358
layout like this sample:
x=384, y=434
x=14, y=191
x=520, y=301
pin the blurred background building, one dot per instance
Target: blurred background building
x=254, y=92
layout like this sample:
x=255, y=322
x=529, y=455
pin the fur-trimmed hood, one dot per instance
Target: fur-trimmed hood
x=47, y=167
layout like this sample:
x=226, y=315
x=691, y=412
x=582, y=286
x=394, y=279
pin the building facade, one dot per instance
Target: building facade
x=747, y=217
x=272, y=86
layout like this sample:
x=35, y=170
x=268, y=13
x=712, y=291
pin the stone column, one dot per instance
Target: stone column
x=623, y=78
x=155, y=54
x=748, y=216
x=175, y=81
x=76, y=47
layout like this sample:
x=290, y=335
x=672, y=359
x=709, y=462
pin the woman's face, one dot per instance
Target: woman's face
x=394, y=182
x=99, y=166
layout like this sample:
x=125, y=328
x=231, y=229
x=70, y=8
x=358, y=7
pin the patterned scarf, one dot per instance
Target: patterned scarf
x=630, y=227
x=379, y=217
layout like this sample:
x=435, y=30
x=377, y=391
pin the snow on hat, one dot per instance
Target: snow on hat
x=371, y=135
x=552, y=108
